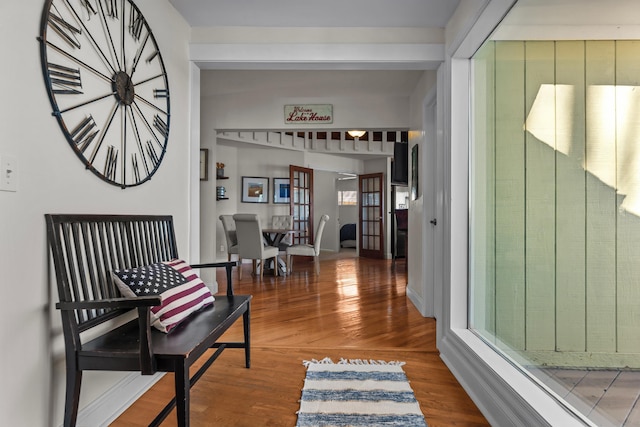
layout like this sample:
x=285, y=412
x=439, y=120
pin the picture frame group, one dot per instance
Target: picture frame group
x=255, y=189
x=204, y=164
x=281, y=191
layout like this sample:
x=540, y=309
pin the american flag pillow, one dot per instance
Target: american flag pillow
x=181, y=290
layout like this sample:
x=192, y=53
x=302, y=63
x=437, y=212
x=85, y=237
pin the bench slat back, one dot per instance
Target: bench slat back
x=86, y=248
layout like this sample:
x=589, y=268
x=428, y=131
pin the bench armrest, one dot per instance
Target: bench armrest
x=114, y=303
x=143, y=304
x=228, y=265
x=216, y=264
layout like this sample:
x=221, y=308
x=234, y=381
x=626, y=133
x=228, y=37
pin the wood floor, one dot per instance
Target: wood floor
x=610, y=398
x=356, y=309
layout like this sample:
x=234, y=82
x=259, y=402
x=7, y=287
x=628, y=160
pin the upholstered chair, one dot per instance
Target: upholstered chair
x=283, y=222
x=308, y=250
x=229, y=227
x=251, y=245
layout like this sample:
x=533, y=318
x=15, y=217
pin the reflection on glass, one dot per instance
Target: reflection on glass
x=555, y=206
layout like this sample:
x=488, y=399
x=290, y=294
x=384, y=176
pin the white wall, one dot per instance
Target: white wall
x=325, y=201
x=263, y=107
x=416, y=219
x=53, y=180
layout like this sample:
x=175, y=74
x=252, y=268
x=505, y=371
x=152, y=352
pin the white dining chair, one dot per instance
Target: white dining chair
x=251, y=245
x=283, y=222
x=229, y=227
x=302, y=249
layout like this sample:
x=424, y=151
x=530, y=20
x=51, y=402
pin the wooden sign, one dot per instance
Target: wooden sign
x=308, y=114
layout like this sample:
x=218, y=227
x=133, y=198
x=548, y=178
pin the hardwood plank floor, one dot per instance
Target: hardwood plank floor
x=609, y=398
x=356, y=308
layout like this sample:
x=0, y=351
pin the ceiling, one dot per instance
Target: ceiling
x=548, y=15
x=326, y=13
x=389, y=13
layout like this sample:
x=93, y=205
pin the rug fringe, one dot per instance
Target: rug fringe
x=343, y=361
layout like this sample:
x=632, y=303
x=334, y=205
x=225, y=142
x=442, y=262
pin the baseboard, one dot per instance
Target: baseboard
x=417, y=300
x=105, y=409
x=502, y=393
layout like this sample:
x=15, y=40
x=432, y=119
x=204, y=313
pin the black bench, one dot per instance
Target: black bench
x=85, y=249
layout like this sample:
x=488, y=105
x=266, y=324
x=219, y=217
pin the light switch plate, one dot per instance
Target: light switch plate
x=8, y=173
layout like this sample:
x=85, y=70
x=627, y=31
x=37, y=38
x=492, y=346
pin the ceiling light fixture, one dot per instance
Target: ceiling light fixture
x=356, y=133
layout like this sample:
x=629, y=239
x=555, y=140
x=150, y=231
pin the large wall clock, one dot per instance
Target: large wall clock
x=108, y=86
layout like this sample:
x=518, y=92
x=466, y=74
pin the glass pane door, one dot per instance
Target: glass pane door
x=301, y=206
x=371, y=215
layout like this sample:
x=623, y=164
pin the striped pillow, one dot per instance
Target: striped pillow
x=180, y=288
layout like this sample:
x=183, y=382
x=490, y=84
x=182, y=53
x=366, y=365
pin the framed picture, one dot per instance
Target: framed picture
x=204, y=164
x=415, y=190
x=281, y=190
x=255, y=189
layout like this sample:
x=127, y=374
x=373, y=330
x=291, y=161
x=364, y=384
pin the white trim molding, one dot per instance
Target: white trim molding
x=418, y=301
x=503, y=394
x=110, y=405
x=393, y=56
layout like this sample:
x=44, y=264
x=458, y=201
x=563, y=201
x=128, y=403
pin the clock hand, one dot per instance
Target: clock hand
x=84, y=103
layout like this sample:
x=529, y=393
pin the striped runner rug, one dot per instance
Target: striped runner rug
x=357, y=393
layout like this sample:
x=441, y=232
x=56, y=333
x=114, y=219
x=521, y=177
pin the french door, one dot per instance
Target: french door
x=301, y=203
x=371, y=208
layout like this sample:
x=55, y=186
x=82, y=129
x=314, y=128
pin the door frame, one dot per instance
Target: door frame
x=369, y=253
x=308, y=237
x=425, y=248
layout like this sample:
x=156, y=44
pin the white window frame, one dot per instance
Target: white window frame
x=341, y=199
x=504, y=394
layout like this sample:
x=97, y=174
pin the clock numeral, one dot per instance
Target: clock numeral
x=136, y=59
x=67, y=31
x=152, y=154
x=89, y=8
x=152, y=56
x=136, y=23
x=64, y=80
x=134, y=164
x=111, y=8
x=85, y=133
x=160, y=125
x=160, y=93
x=111, y=163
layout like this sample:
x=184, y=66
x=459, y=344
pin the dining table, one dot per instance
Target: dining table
x=273, y=237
